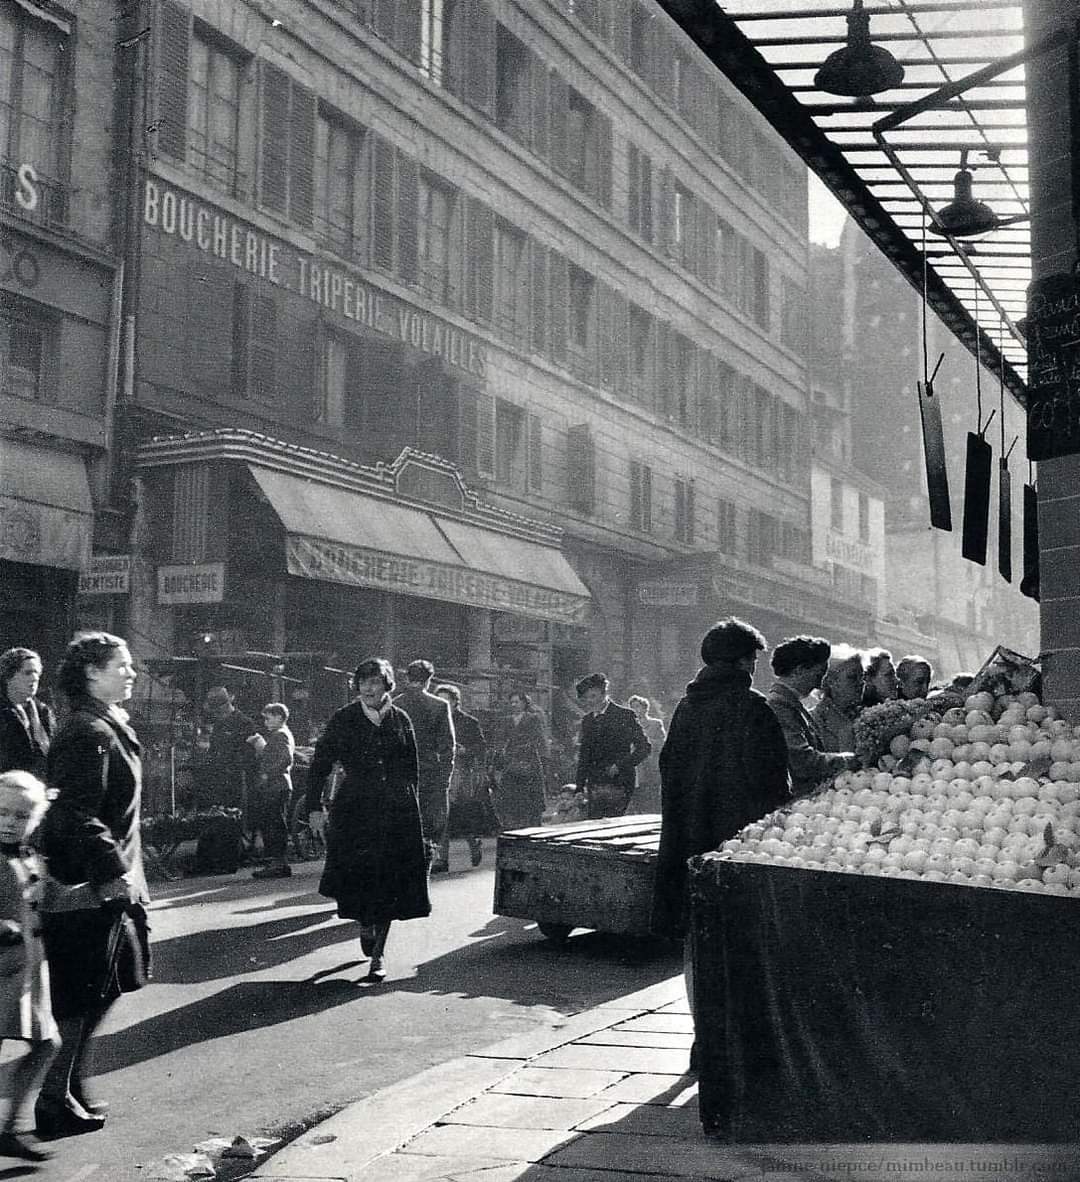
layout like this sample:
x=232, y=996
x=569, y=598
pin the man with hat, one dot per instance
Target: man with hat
x=230, y=760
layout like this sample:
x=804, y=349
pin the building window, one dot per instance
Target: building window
x=432, y=39
x=434, y=214
x=510, y=458
x=640, y=196
x=581, y=469
x=24, y=337
x=510, y=308
x=641, y=32
x=682, y=229
x=512, y=94
x=680, y=382
x=640, y=497
x=338, y=152
x=255, y=344
x=836, y=505
x=588, y=147
x=331, y=380
x=213, y=114
x=581, y=289
x=793, y=317
x=864, y=517
x=762, y=541
x=725, y=526
x=754, y=283
x=31, y=107
x=642, y=355
x=287, y=146
x=684, y=511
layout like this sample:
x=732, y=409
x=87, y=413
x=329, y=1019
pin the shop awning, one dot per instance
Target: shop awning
x=346, y=536
x=46, y=511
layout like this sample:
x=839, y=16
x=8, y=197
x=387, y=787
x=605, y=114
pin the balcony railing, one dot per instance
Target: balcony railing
x=27, y=194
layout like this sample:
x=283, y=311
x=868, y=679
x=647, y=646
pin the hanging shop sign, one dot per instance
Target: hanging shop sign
x=317, y=558
x=200, y=582
x=1052, y=329
x=107, y=574
x=348, y=294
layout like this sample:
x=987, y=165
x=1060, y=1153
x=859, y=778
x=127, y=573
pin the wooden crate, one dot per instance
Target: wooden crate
x=587, y=874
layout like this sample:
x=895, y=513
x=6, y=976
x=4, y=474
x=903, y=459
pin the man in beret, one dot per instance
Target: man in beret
x=231, y=760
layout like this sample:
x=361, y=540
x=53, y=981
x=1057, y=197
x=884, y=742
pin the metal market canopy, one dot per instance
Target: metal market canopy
x=771, y=50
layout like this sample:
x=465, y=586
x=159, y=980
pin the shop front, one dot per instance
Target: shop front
x=260, y=547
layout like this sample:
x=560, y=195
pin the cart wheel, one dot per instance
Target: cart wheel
x=557, y=933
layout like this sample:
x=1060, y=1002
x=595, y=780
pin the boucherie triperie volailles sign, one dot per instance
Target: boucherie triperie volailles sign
x=1052, y=328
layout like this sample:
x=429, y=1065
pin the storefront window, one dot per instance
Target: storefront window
x=22, y=354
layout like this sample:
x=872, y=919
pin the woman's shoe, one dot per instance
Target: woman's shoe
x=12, y=1145
x=94, y=1108
x=64, y=1118
x=376, y=974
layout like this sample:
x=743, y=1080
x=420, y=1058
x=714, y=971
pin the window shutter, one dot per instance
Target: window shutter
x=536, y=454
x=480, y=80
x=633, y=196
x=408, y=206
x=385, y=11
x=605, y=333
x=706, y=265
x=406, y=34
x=479, y=260
x=240, y=337
x=538, y=283
x=667, y=212
x=538, y=74
x=620, y=29
x=485, y=435
x=635, y=495
x=707, y=398
x=301, y=155
x=603, y=159
x=581, y=469
x=664, y=368
x=263, y=349
x=691, y=511
x=274, y=139
x=620, y=336
x=646, y=498
x=559, y=291
x=558, y=107
x=382, y=203
x=173, y=46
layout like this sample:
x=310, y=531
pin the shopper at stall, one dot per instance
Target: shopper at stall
x=647, y=796
x=434, y=731
x=96, y=934
x=841, y=699
x=799, y=666
x=26, y=724
x=471, y=811
x=724, y=764
x=612, y=745
x=272, y=792
x=230, y=759
x=913, y=677
x=879, y=683
x=520, y=766
x=376, y=857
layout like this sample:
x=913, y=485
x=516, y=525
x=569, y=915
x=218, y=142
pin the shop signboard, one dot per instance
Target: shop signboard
x=662, y=593
x=1052, y=329
x=195, y=582
x=107, y=574
x=317, y=558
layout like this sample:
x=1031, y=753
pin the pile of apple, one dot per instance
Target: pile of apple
x=986, y=795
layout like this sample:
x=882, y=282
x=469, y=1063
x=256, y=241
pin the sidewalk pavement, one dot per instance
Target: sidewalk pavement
x=604, y=1097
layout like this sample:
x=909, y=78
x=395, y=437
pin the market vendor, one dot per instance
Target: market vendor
x=230, y=760
x=800, y=665
x=841, y=696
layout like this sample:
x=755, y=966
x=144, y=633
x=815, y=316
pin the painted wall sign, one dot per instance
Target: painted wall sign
x=316, y=558
x=344, y=292
x=107, y=574
x=201, y=582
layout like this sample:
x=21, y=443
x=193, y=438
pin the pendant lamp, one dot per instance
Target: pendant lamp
x=861, y=68
x=965, y=216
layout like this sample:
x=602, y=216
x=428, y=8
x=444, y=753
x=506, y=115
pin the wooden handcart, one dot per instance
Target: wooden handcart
x=586, y=874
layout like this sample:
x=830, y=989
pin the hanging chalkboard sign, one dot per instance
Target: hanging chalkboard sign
x=1053, y=347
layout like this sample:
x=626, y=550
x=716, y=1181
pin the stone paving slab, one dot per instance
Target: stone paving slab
x=504, y=1111
x=652, y=1089
x=647, y=1120
x=677, y=1159
x=533, y=1042
x=557, y=1081
x=408, y=1167
x=659, y=1039
x=653, y=997
x=506, y=1145
x=608, y=1058
x=660, y=1022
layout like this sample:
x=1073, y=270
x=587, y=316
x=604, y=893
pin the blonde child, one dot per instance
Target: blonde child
x=25, y=1012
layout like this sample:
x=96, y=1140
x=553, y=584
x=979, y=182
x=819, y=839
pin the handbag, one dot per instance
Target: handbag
x=128, y=952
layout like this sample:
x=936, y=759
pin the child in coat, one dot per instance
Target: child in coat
x=25, y=1012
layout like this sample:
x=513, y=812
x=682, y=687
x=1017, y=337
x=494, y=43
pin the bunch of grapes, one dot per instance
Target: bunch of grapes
x=877, y=726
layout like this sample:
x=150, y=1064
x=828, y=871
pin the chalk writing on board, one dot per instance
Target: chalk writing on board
x=1053, y=346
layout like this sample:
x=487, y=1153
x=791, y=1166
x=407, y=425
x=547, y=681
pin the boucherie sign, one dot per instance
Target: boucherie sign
x=239, y=244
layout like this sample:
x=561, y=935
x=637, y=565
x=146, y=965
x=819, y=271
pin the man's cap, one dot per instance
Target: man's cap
x=217, y=695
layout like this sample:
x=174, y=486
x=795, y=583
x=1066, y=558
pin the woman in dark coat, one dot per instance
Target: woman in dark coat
x=26, y=725
x=520, y=767
x=90, y=837
x=376, y=859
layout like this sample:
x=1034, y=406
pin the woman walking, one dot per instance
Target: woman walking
x=95, y=932
x=376, y=859
x=26, y=725
x=520, y=767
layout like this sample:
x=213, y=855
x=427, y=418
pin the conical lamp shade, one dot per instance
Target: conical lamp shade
x=964, y=216
x=861, y=68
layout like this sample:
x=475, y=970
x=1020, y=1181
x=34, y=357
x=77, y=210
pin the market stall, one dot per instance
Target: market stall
x=895, y=957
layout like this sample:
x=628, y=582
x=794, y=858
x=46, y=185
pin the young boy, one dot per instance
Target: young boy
x=273, y=789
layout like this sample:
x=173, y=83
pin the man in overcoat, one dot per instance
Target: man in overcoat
x=612, y=745
x=434, y=730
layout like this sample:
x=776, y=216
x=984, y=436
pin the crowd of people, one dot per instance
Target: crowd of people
x=395, y=774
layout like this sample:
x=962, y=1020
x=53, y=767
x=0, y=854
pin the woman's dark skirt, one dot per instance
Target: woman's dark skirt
x=82, y=979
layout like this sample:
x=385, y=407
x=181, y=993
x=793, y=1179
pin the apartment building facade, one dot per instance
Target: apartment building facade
x=541, y=246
